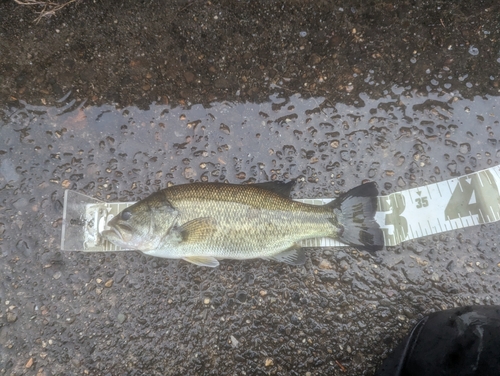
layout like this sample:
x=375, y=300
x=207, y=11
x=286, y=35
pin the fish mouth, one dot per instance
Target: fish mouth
x=112, y=235
x=118, y=234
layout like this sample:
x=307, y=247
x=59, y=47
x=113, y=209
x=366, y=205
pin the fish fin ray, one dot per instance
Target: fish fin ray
x=209, y=261
x=355, y=218
x=279, y=187
x=291, y=256
x=197, y=230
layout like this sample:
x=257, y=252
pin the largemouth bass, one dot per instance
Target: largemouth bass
x=204, y=222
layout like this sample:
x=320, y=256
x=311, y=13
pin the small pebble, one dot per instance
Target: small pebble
x=11, y=317
x=189, y=173
x=325, y=264
x=207, y=301
x=435, y=277
x=121, y=318
x=57, y=275
x=76, y=362
x=109, y=283
x=29, y=363
x=189, y=77
x=269, y=362
x=234, y=342
x=473, y=50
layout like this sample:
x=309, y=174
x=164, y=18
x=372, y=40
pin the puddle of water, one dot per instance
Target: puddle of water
x=400, y=141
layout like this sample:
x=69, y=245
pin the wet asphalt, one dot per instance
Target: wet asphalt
x=117, y=101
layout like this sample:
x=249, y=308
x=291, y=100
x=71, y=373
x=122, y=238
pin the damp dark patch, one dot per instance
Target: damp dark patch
x=138, y=53
x=117, y=101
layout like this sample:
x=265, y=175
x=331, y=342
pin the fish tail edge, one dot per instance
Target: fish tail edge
x=354, y=217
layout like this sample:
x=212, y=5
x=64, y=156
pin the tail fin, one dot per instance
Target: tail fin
x=354, y=217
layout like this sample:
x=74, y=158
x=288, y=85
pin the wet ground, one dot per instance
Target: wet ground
x=116, y=101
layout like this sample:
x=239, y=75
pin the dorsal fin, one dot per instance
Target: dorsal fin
x=279, y=187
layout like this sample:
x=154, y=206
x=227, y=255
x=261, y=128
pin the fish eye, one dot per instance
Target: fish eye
x=126, y=215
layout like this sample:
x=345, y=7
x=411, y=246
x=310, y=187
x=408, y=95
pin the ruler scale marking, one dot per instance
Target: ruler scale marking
x=428, y=192
x=439, y=190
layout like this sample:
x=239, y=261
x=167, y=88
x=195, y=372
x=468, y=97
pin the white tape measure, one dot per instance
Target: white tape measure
x=414, y=213
x=449, y=205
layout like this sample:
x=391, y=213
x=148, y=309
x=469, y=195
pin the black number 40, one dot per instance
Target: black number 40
x=422, y=202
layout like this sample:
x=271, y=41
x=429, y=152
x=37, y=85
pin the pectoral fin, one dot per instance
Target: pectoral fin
x=203, y=261
x=292, y=256
x=197, y=230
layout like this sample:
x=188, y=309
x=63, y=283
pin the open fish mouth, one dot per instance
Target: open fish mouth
x=112, y=235
x=116, y=232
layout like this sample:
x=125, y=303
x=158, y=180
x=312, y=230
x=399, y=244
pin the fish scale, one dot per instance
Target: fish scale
x=204, y=222
x=250, y=222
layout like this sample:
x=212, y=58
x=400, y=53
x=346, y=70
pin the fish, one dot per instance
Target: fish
x=203, y=223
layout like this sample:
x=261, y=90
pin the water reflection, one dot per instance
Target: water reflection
x=399, y=140
x=402, y=140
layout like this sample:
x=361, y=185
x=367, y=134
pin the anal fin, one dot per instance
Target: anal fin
x=292, y=256
x=209, y=261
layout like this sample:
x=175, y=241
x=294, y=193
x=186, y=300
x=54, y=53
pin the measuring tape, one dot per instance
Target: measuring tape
x=452, y=204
